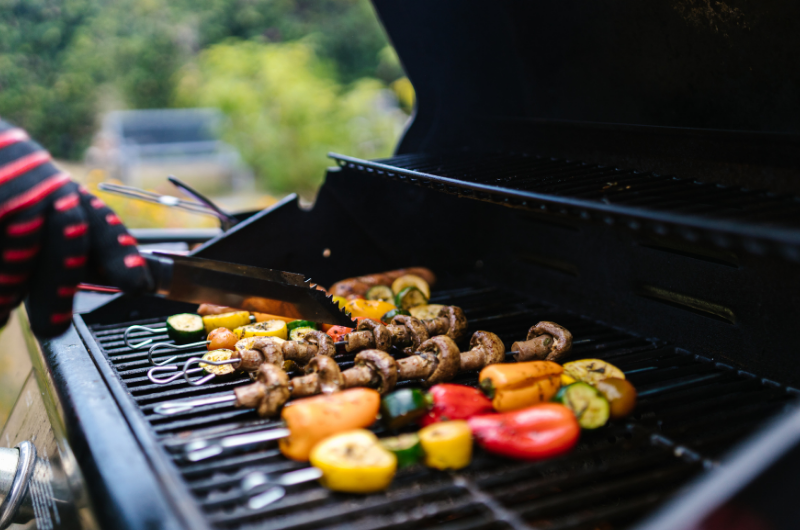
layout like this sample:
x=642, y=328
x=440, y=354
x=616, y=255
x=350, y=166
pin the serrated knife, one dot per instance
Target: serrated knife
x=199, y=280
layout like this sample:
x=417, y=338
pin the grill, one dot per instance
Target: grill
x=691, y=410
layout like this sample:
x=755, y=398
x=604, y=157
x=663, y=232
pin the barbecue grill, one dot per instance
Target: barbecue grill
x=629, y=171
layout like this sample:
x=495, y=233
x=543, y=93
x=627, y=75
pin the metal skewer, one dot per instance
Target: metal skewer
x=145, y=342
x=203, y=449
x=258, y=480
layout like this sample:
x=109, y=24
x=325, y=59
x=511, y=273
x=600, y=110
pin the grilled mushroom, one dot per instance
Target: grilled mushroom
x=413, y=335
x=546, y=341
x=451, y=322
x=485, y=348
x=438, y=360
x=322, y=341
x=323, y=376
x=381, y=336
x=268, y=394
x=373, y=368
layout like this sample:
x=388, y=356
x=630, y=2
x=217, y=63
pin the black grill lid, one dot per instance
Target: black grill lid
x=608, y=81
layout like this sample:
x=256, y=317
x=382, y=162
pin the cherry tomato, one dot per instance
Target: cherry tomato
x=222, y=339
x=337, y=333
x=621, y=395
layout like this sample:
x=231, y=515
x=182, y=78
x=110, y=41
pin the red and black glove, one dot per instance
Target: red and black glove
x=52, y=231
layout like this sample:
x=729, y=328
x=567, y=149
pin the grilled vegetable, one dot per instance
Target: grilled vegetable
x=361, y=284
x=373, y=309
x=337, y=333
x=403, y=407
x=447, y=445
x=313, y=419
x=519, y=385
x=455, y=402
x=586, y=402
x=621, y=396
x=534, y=433
x=387, y=318
x=218, y=355
x=222, y=339
x=300, y=333
x=380, y=292
x=406, y=447
x=268, y=328
x=294, y=324
x=411, y=280
x=185, y=328
x=426, y=312
x=410, y=297
x=226, y=320
x=567, y=380
x=592, y=370
x=354, y=462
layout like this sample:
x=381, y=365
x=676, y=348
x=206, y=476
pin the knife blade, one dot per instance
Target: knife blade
x=198, y=281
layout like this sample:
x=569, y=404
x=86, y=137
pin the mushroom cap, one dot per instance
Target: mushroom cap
x=494, y=351
x=276, y=384
x=323, y=342
x=270, y=347
x=329, y=375
x=562, y=342
x=447, y=358
x=458, y=322
x=383, y=337
x=383, y=365
x=418, y=331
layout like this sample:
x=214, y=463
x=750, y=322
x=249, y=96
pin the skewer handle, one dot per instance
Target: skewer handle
x=176, y=407
x=145, y=342
x=203, y=449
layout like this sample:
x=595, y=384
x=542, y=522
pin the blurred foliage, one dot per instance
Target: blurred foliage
x=59, y=59
x=287, y=109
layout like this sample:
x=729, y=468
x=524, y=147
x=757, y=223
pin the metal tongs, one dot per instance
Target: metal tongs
x=202, y=205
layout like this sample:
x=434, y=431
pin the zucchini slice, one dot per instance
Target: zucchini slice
x=380, y=292
x=300, y=333
x=185, y=328
x=406, y=447
x=410, y=297
x=218, y=355
x=426, y=312
x=411, y=280
x=267, y=328
x=588, y=404
x=231, y=321
x=592, y=370
x=294, y=324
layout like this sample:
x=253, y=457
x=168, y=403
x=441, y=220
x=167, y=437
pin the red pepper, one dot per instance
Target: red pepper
x=455, y=402
x=337, y=333
x=534, y=433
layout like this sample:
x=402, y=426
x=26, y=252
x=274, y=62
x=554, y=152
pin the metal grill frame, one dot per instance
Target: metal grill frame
x=489, y=511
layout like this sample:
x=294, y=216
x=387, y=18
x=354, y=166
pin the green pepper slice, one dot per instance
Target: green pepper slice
x=387, y=318
x=403, y=407
x=406, y=447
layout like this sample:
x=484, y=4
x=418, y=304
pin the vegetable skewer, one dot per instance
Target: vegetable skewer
x=439, y=360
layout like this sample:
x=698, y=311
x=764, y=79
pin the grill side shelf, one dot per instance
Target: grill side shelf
x=757, y=222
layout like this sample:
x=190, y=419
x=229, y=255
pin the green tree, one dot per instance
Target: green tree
x=286, y=109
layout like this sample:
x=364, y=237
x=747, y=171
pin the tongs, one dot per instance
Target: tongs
x=202, y=205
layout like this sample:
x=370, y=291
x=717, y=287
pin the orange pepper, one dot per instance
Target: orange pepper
x=518, y=385
x=374, y=309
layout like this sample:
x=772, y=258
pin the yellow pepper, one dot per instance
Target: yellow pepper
x=592, y=370
x=226, y=320
x=354, y=462
x=447, y=445
x=311, y=420
x=267, y=328
x=518, y=385
x=374, y=309
x=567, y=380
x=341, y=301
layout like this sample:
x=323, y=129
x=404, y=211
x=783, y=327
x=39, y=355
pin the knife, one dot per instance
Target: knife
x=199, y=280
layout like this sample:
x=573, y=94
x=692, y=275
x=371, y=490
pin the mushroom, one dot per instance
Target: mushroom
x=268, y=394
x=485, y=348
x=322, y=341
x=451, y=322
x=323, y=376
x=413, y=333
x=381, y=336
x=437, y=360
x=373, y=368
x=546, y=341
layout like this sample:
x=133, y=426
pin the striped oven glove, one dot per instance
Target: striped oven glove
x=52, y=232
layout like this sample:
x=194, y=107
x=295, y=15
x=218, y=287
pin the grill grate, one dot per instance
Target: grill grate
x=754, y=220
x=691, y=410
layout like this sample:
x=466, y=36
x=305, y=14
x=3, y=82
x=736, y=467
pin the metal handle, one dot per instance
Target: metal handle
x=16, y=469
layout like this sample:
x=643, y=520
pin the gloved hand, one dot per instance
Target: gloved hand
x=52, y=231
